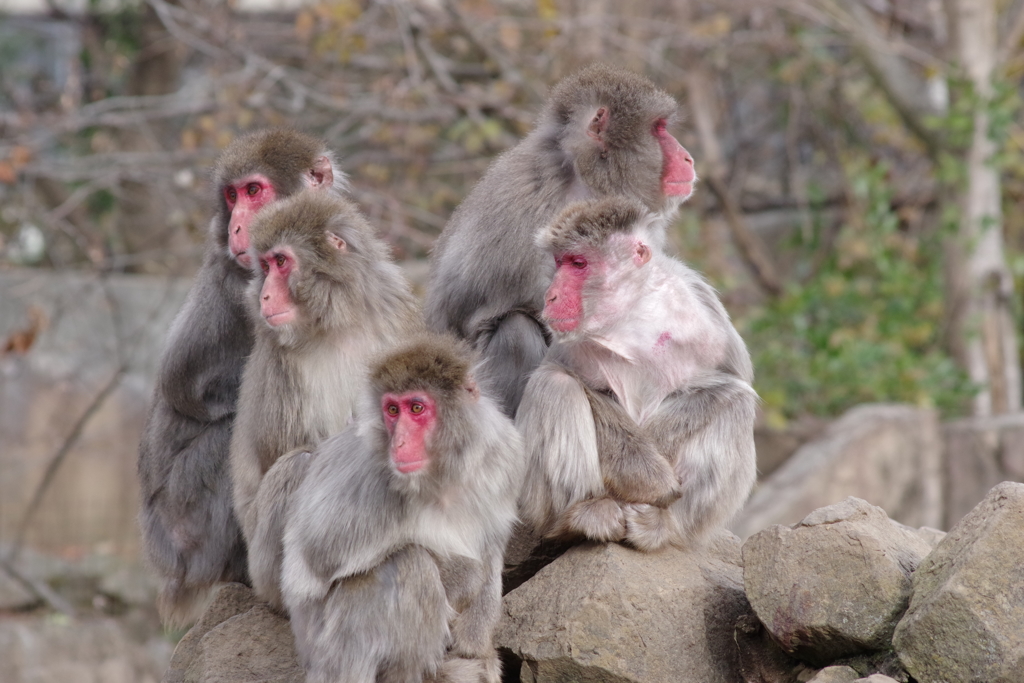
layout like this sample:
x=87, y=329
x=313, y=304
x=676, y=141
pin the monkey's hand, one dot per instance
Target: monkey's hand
x=650, y=528
x=641, y=475
x=599, y=519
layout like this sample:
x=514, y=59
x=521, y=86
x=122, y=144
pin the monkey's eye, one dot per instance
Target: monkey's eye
x=264, y=265
x=230, y=194
x=252, y=188
x=392, y=409
x=579, y=262
x=416, y=408
x=280, y=260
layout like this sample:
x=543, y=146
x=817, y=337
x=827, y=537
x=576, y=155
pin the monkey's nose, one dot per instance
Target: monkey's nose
x=552, y=299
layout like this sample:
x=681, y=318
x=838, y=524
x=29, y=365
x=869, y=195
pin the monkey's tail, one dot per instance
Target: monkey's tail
x=180, y=605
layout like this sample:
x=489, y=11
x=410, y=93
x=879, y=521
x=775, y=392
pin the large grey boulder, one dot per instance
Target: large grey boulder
x=966, y=616
x=835, y=584
x=980, y=452
x=887, y=454
x=237, y=640
x=604, y=612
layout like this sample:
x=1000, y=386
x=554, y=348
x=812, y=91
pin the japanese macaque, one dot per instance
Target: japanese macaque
x=326, y=299
x=188, y=524
x=639, y=423
x=394, y=539
x=603, y=131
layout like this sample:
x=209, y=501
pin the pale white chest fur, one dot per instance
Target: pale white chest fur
x=333, y=378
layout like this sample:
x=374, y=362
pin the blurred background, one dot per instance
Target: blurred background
x=861, y=166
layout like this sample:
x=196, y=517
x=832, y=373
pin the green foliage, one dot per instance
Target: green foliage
x=866, y=326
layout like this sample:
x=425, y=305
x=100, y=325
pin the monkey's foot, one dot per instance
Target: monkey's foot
x=650, y=528
x=599, y=519
x=468, y=670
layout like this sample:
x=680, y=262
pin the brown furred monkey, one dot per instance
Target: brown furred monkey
x=411, y=505
x=188, y=525
x=603, y=131
x=326, y=300
x=639, y=423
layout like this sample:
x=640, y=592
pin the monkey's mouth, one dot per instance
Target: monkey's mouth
x=562, y=324
x=279, y=318
x=678, y=188
x=407, y=466
x=243, y=259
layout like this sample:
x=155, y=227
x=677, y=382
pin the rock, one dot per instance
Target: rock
x=966, y=620
x=231, y=599
x=980, y=452
x=761, y=660
x=835, y=674
x=606, y=613
x=889, y=455
x=835, y=584
x=13, y=595
x=56, y=649
x=876, y=678
x=254, y=647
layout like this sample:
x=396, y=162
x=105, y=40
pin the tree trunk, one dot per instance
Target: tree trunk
x=980, y=282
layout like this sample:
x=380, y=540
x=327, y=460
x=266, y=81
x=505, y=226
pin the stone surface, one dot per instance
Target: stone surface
x=231, y=599
x=980, y=453
x=253, y=647
x=835, y=584
x=889, y=455
x=55, y=649
x=603, y=612
x=835, y=674
x=876, y=678
x=966, y=616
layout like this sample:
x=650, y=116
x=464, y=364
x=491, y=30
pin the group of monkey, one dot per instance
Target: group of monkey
x=362, y=464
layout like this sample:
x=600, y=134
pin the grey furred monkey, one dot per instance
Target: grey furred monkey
x=189, y=530
x=639, y=423
x=326, y=299
x=410, y=506
x=603, y=131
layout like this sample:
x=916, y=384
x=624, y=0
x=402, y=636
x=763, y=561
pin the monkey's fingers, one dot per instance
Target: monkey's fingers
x=645, y=478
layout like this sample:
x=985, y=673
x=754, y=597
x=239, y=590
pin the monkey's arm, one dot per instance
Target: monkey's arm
x=707, y=428
x=269, y=510
x=201, y=367
x=633, y=469
x=564, y=491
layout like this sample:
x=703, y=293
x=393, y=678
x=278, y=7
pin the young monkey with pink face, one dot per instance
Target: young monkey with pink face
x=639, y=423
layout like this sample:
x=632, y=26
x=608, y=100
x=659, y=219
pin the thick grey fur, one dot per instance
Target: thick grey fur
x=354, y=512
x=596, y=470
x=189, y=529
x=303, y=381
x=488, y=277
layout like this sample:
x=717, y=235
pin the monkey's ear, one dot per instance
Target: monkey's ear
x=336, y=242
x=471, y=388
x=641, y=253
x=322, y=174
x=598, y=126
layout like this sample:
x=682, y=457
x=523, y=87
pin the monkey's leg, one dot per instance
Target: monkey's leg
x=513, y=345
x=266, y=547
x=632, y=468
x=708, y=428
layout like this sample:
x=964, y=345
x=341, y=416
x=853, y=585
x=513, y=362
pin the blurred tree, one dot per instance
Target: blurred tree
x=965, y=44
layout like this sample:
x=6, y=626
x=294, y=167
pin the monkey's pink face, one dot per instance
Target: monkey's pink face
x=244, y=199
x=276, y=305
x=410, y=419
x=677, y=174
x=563, y=302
